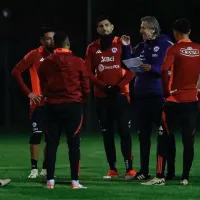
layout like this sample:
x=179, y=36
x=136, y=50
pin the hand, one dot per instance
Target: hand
x=145, y=67
x=126, y=40
x=35, y=98
x=111, y=90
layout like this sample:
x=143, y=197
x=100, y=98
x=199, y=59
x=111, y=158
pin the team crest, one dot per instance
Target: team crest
x=156, y=49
x=114, y=49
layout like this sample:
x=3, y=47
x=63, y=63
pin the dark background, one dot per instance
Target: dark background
x=20, y=33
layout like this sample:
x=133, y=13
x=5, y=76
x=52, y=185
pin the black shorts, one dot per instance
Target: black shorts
x=37, y=120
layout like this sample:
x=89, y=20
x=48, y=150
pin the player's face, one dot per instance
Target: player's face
x=105, y=27
x=47, y=41
x=146, y=32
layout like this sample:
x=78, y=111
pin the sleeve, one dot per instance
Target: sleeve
x=128, y=52
x=22, y=66
x=85, y=80
x=128, y=77
x=156, y=68
x=91, y=70
x=167, y=64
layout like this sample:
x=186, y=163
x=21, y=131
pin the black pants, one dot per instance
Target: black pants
x=109, y=111
x=69, y=117
x=182, y=116
x=149, y=110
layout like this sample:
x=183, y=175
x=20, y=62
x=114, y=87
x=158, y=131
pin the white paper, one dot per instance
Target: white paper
x=133, y=64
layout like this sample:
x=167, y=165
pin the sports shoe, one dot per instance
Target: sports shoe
x=130, y=174
x=50, y=184
x=111, y=174
x=33, y=174
x=77, y=185
x=43, y=173
x=155, y=181
x=4, y=182
x=141, y=176
x=184, y=182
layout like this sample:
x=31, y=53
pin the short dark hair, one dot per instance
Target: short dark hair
x=45, y=30
x=182, y=26
x=60, y=39
x=103, y=17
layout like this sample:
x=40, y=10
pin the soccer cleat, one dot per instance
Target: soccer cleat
x=111, y=174
x=33, y=174
x=140, y=176
x=50, y=184
x=155, y=181
x=43, y=173
x=130, y=174
x=77, y=185
x=184, y=182
x=4, y=182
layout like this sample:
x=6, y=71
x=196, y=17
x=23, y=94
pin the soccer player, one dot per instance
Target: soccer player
x=181, y=105
x=148, y=87
x=103, y=59
x=65, y=85
x=31, y=62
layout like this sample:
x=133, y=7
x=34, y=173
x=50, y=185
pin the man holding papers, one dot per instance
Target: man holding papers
x=146, y=61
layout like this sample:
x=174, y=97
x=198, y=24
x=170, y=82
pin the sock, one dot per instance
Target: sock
x=128, y=164
x=113, y=166
x=44, y=165
x=51, y=182
x=34, y=164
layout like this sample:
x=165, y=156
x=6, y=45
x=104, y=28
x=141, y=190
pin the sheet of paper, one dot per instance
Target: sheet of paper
x=133, y=64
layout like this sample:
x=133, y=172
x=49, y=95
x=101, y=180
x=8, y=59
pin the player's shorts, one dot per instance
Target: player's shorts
x=37, y=124
x=37, y=120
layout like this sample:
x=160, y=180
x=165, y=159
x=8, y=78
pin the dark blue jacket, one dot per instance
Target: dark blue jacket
x=153, y=53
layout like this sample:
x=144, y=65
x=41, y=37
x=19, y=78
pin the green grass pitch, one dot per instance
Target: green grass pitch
x=15, y=164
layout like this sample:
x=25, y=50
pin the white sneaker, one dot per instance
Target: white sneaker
x=33, y=174
x=155, y=181
x=4, y=182
x=77, y=185
x=43, y=173
x=184, y=182
x=50, y=184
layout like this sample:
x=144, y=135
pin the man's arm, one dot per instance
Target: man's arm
x=128, y=76
x=85, y=80
x=91, y=70
x=156, y=68
x=22, y=66
x=167, y=64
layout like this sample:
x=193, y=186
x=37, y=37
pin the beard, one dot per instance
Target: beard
x=106, y=41
x=50, y=49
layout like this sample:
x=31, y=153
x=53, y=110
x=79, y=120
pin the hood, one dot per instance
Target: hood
x=61, y=59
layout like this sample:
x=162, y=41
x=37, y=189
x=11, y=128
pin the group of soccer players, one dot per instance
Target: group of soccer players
x=165, y=92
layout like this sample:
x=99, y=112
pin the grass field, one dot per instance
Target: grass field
x=14, y=163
